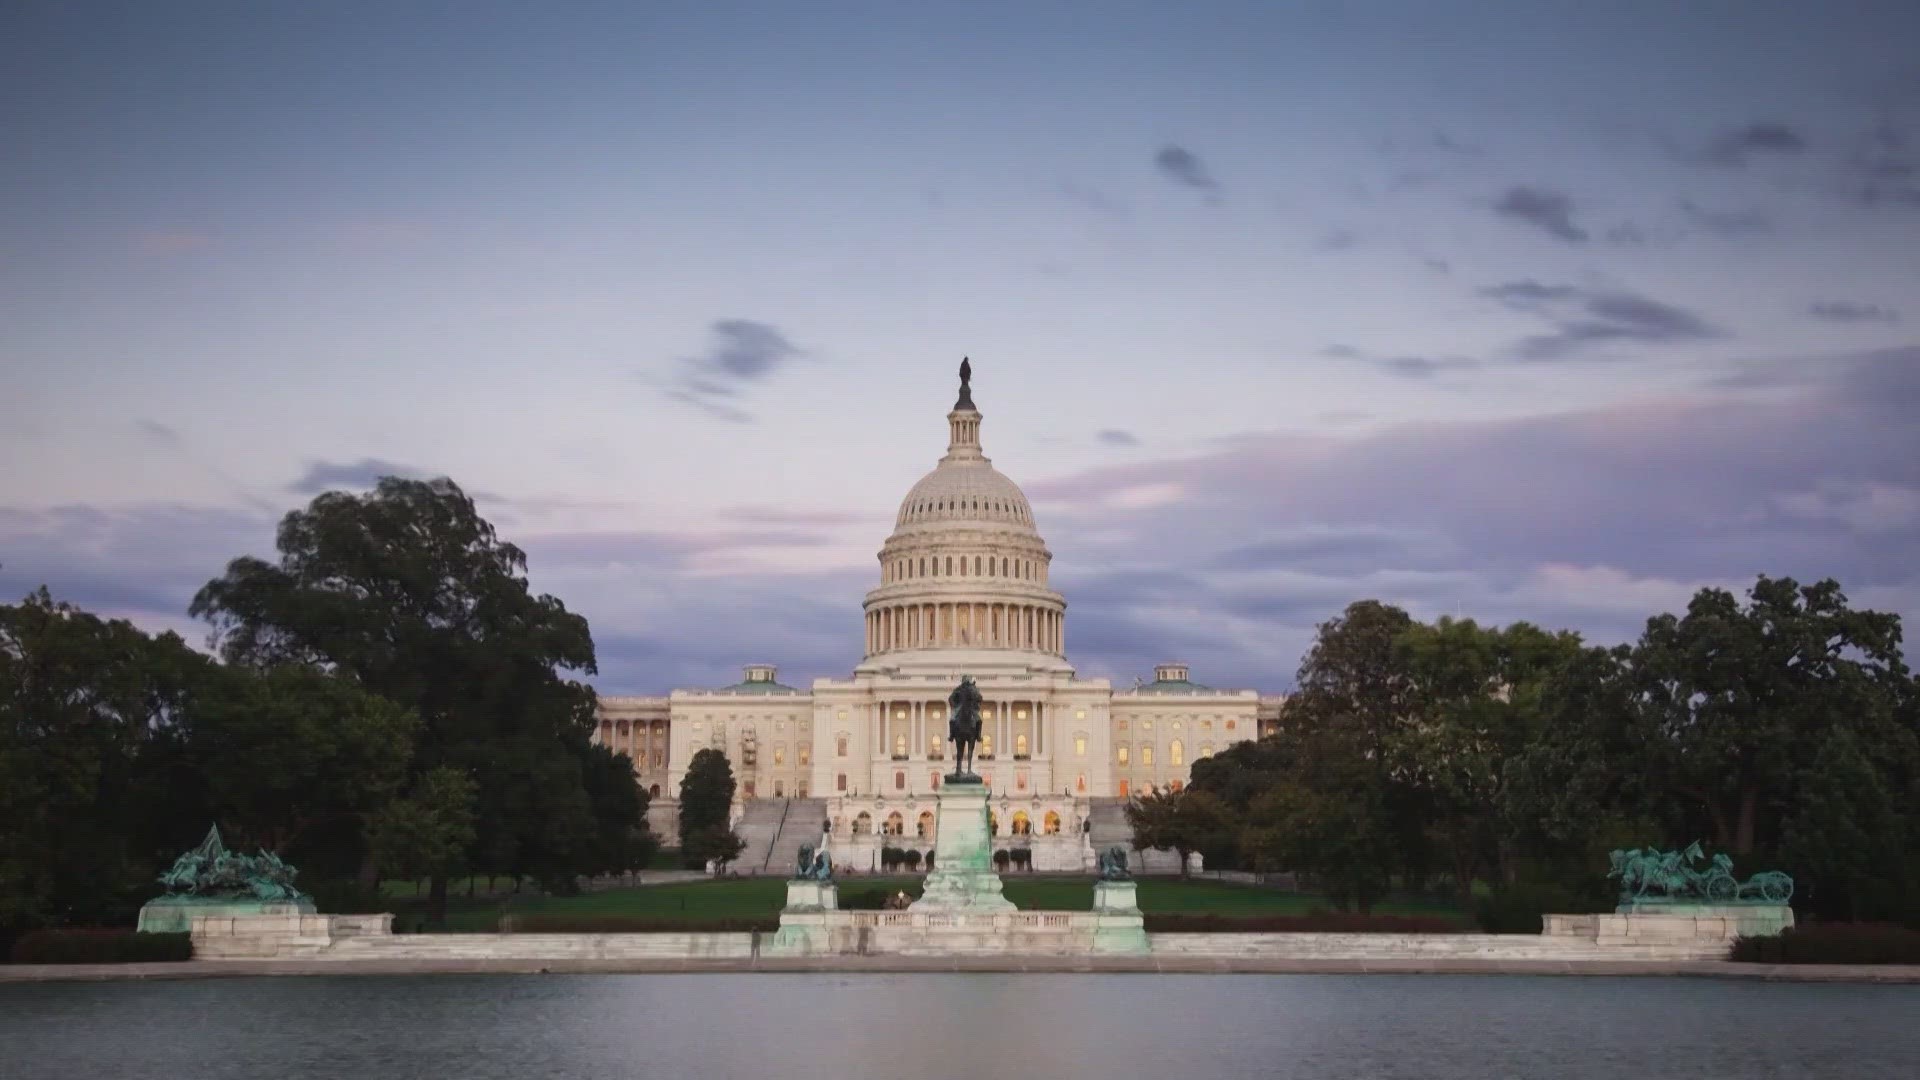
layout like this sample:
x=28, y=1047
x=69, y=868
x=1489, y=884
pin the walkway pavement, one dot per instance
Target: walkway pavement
x=213, y=969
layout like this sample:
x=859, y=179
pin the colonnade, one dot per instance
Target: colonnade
x=976, y=625
x=917, y=730
x=645, y=741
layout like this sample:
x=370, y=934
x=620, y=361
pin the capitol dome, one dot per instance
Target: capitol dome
x=965, y=568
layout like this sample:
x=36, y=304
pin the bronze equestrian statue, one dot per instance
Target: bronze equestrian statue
x=963, y=727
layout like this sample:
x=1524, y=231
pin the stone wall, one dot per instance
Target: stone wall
x=1719, y=924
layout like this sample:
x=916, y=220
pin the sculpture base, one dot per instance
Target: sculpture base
x=963, y=878
x=961, y=778
x=1121, y=928
x=175, y=914
x=1659, y=924
x=804, y=929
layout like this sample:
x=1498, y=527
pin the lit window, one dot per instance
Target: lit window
x=806, y=755
x=1079, y=714
x=1080, y=785
x=1019, y=714
x=1146, y=755
x=1206, y=725
x=1229, y=725
x=779, y=754
x=1146, y=725
x=1123, y=789
x=1019, y=745
x=1080, y=745
x=1121, y=753
x=1206, y=749
x=1051, y=823
x=1176, y=755
x=986, y=745
x=899, y=746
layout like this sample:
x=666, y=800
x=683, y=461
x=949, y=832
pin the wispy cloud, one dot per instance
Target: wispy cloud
x=1183, y=166
x=1841, y=311
x=1549, y=211
x=1584, y=318
x=743, y=352
x=359, y=475
x=1738, y=147
x=1116, y=437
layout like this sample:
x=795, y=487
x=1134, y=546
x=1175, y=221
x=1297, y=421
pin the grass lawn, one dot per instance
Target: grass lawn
x=763, y=897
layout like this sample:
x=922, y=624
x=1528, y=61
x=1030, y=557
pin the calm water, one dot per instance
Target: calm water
x=920, y=1027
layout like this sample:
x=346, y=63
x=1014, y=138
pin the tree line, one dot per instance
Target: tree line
x=388, y=699
x=1783, y=731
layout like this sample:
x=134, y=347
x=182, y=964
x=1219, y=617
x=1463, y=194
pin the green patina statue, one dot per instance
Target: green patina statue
x=1113, y=864
x=1652, y=876
x=814, y=865
x=212, y=872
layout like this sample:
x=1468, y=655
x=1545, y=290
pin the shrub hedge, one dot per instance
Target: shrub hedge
x=1317, y=922
x=873, y=897
x=66, y=946
x=1833, y=943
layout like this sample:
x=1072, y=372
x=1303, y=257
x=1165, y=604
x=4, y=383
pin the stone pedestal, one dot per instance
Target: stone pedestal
x=175, y=914
x=805, y=928
x=1119, y=926
x=963, y=879
x=1655, y=924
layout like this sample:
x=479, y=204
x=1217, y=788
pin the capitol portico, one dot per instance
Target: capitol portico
x=964, y=589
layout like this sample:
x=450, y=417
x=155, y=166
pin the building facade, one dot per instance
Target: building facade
x=965, y=589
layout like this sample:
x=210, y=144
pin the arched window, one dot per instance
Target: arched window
x=976, y=566
x=1146, y=755
x=1120, y=754
x=840, y=744
x=779, y=753
x=900, y=745
x=1051, y=823
x=1021, y=825
x=863, y=824
x=896, y=825
x=1176, y=755
x=935, y=746
x=993, y=823
x=1080, y=785
x=949, y=566
x=986, y=744
x=653, y=791
x=806, y=755
x=1020, y=745
x=924, y=827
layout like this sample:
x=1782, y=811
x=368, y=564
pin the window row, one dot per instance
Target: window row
x=924, y=566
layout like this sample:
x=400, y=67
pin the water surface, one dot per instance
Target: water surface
x=941, y=1026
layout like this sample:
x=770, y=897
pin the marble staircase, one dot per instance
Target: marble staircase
x=759, y=824
x=799, y=827
x=1108, y=817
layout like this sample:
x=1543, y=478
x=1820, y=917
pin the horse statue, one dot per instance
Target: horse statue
x=1655, y=876
x=1113, y=864
x=963, y=726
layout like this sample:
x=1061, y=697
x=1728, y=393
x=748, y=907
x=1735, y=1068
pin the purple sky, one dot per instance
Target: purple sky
x=1543, y=311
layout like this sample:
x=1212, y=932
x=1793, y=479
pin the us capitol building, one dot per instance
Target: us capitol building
x=964, y=589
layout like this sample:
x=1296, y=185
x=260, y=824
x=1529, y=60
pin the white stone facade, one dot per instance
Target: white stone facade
x=964, y=589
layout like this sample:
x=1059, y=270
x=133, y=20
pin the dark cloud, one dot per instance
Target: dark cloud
x=1091, y=198
x=1840, y=311
x=1726, y=225
x=362, y=475
x=1424, y=367
x=743, y=352
x=1116, y=437
x=1584, y=318
x=1529, y=291
x=1736, y=148
x=1591, y=520
x=1183, y=166
x=1884, y=171
x=1549, y=211
x=1336, y=240
x=159, y=435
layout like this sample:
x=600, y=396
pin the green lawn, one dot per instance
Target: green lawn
x=763, y=897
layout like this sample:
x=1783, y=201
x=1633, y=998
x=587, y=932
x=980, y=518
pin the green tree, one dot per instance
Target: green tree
x=1740, y=700
x=81, y=811
x=706, y=805
x=428, y=832
x=288, y=748
x=1347, y=809
x=1475, y=706
x=1183, y=821
x=623, y=841
x=408, y=591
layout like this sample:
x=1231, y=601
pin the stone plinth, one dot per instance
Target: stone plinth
x=1637, y=924
x=1118, y=925
x=175, y=914
x=805, y=928
x=963, y=879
